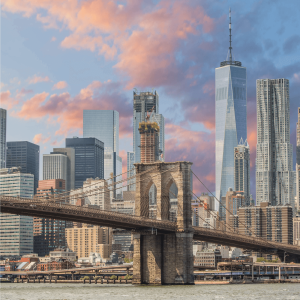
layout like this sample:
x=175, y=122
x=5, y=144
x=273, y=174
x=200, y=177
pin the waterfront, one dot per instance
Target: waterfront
x=27, y=291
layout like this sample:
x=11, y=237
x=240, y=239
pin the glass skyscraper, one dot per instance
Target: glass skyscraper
x=25, y=155
x=230, y=118
x=104, y=125
x=89, y=159
x=130, y=171
x=3, y=114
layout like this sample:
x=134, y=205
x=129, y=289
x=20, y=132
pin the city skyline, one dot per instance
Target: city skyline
x=186, y=123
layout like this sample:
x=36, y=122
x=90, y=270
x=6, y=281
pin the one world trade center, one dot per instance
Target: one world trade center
x=230, y=118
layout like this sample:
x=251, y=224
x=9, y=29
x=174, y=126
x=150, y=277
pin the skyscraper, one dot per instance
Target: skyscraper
x=143, y=102
x=25, y=155
x=298, y=163
x=3, y=114
x=89, y=158
x=70, y=153
x=242, y=170
x=130, y=171
x=16, y=232
x=231, y=117
x=274, y=153
x=104, y=125
x=55, y=166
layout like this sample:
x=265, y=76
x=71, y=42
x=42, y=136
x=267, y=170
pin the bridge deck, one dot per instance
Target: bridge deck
x=37, y=208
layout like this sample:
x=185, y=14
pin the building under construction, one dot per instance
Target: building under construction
x=149, y=132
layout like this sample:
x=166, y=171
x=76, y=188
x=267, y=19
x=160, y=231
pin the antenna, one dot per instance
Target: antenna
x=230, y=48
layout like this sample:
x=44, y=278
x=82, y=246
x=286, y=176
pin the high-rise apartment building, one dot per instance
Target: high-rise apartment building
x=16, y=232
x=55, y=166
x=230, y=116
x=25, y=155
x=273, y=223
x=88, y=239
x=3, y=122
x=70, y=153
x=242, y=170
x=89, y=158
x=94, y=192
x=298, y=164
x=234, y=200
x=130, y=171
x=296, y=230
x=49, y=234
x=274, y=153
x=104, y=125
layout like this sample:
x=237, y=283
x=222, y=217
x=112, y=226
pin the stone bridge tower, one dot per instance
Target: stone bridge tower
x=160, y=257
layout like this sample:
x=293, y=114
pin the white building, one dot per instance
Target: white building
x=94, y=192
x=298, y=163
x=274, y=153
x=55, y=166
x=16, y=232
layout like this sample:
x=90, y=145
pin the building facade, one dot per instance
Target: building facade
x=242, y=170
x=89, y=158
x=274, y=153
x=25, y=155
x=55, y=166
x=49, y=234
x=70, y=153
x=94, y=192
x=16, y=232
x=85, y=240
x=234, y=200
x=231, y=118
x=298, y=164
x=130, y=171
x=3, y=122
x=296, y=231
x=104, y=125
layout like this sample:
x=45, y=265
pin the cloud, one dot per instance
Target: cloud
x=38, y=138
x=36, y=79
x=66, y=111
x=59, y=85
x=7, y=101
x=291, y=44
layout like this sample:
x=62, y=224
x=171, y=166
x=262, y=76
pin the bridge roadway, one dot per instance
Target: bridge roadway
x=43, y=209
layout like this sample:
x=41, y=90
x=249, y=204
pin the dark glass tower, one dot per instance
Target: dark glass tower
x=231, y=117
x=25, y=155
x=89, y=158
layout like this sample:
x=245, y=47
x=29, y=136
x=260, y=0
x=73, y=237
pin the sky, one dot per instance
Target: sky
x=61, y=57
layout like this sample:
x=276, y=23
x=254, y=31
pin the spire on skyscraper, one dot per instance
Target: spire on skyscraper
x=229, y=60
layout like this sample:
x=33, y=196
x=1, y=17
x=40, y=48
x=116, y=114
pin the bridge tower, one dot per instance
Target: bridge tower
x=161, y=257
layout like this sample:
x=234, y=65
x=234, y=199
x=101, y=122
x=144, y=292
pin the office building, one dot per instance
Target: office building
x=130, y=171
x=94, y=192
x=296, y=231
x=86, y=239
x=274, y=153
x=16, y=232
x=230, y=118
x=25, y=155
x=49, y=234
x=104, y=125
x=207, y=258
x=3, y=121
x=160, y=120
x=273, y=223
x=89, y=158
x=55, y=166
x=234, y=200
x=70, y=153
x=242, y=170
x=297, y=194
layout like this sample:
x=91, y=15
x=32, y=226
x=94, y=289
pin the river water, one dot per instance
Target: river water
x=42, y=291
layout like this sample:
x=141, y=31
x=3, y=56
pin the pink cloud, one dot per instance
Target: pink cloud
x=38, y=138
x=36, y=79
x=59, y=85
x=7, y=101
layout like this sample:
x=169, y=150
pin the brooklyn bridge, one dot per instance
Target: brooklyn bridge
x=163, y=252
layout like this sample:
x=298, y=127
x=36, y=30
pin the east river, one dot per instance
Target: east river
x=35, y=291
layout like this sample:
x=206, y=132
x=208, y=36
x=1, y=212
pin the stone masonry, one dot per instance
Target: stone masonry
x=159, y=257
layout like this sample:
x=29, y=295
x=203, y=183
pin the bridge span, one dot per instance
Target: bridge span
x=163, y=252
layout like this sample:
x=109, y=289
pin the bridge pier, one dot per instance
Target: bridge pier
x=164, y=257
